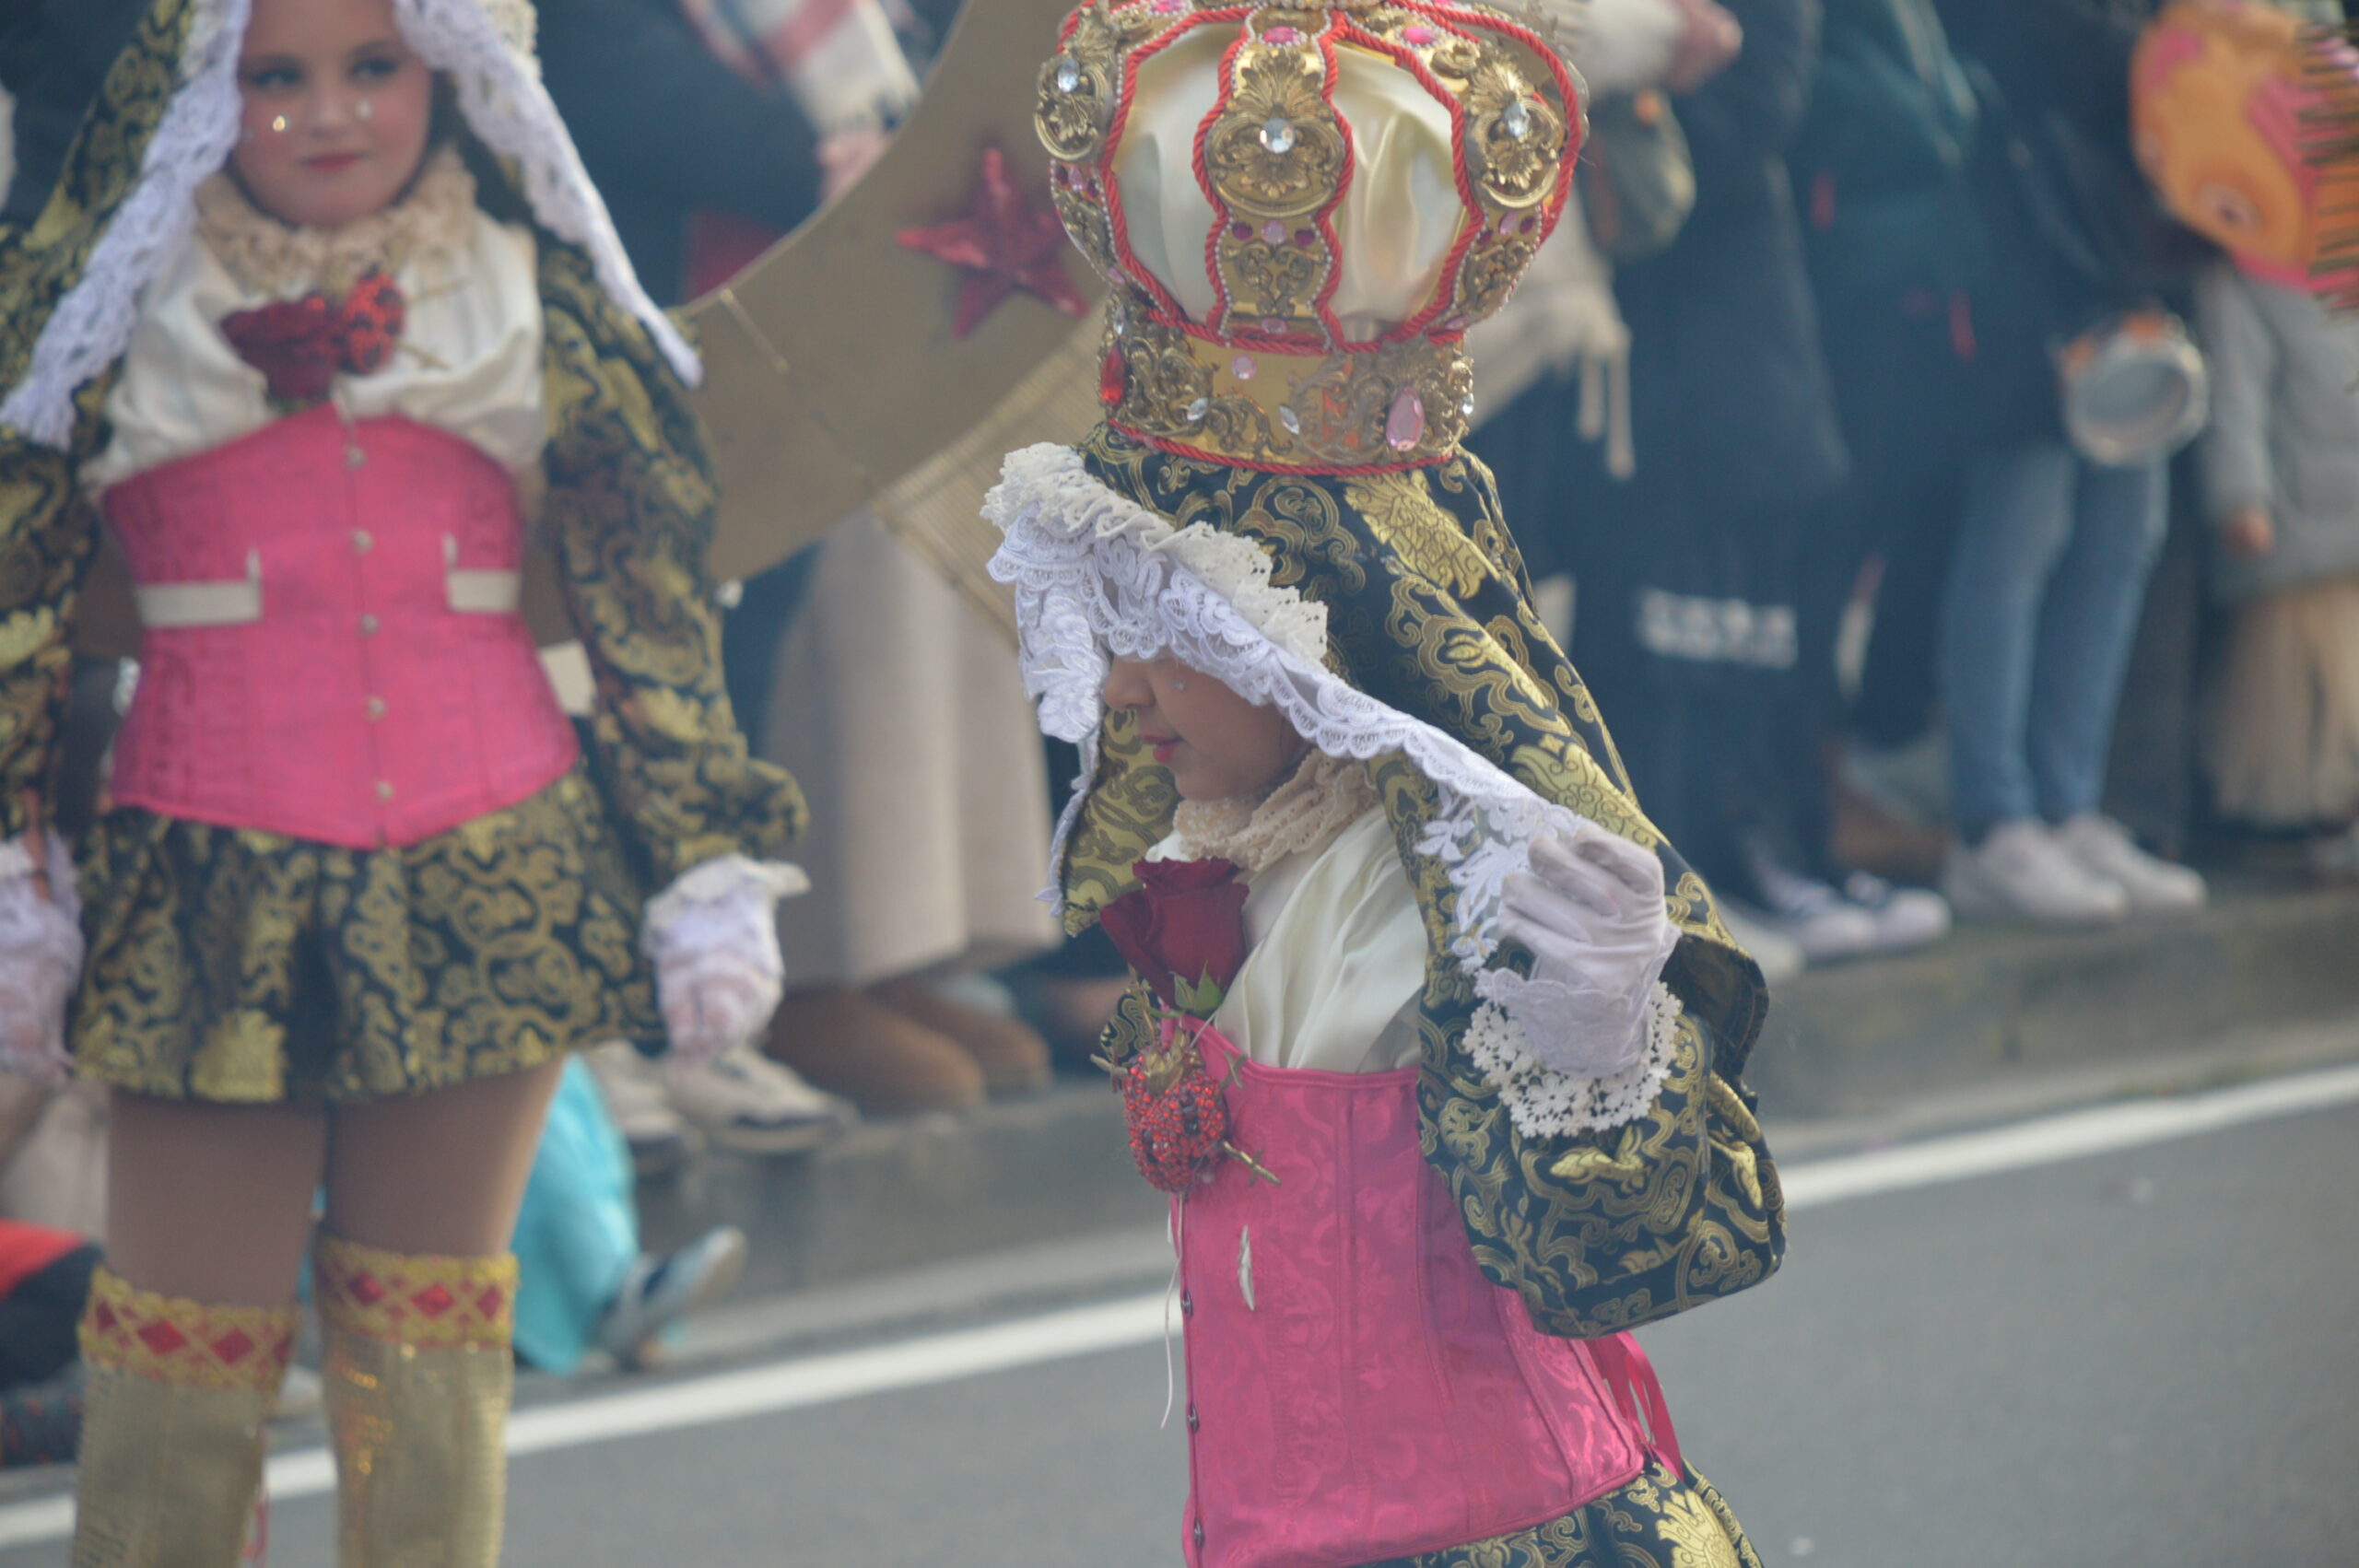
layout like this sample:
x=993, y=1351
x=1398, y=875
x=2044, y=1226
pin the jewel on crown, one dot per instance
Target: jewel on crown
x=1298, y=359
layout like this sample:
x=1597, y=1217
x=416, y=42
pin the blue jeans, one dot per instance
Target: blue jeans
x=2052, y=559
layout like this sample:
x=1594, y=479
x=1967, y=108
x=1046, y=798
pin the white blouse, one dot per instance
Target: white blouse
x=469, y=360
x=1339, y=958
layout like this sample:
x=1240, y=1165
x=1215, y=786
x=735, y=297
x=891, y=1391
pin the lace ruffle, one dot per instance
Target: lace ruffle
x=1094, y=581
x=1321, y=797
x=1543, y=1102
x=267, y=257
x=501, y=95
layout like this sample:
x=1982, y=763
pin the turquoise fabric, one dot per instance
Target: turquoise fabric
x=578, y=1232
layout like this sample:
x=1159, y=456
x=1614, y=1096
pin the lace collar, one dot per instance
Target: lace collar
x=1321, y=797
x=267, y=257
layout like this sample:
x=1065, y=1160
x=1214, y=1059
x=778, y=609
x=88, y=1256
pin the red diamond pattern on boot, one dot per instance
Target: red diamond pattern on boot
x=161, y=1338
x=414, y=1299
x=186, y=1344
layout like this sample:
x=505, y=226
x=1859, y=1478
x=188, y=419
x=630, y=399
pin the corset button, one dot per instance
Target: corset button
x=1187, y=1305
x=384, y=789
x=1192, y=1423
x=354, y=457
x=376, y=709
x=363, y=540
x=1197, y=1531
x=368, y=626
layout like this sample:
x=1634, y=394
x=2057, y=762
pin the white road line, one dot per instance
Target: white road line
x=2073, y=1136
x=1059, y=1336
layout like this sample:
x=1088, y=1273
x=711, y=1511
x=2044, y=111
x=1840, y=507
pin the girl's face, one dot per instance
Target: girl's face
x=337, y=110
x=1217, y=745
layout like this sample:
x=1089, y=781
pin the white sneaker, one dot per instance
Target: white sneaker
x=2103, y=845
x=2020, y=872
x=1819, y=920
x=1906, y=917
x=745, y=1102
x=1779, y=957
x=641, y=1106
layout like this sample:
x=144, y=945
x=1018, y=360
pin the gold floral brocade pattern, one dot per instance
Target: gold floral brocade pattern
x=1657, y=1521
x=248, y=968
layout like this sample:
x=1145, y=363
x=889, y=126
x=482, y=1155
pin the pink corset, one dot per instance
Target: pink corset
x=1357, y=1389
x=332, y=648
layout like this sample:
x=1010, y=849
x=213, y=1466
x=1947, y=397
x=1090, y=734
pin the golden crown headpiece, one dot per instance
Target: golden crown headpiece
x=1253, y=362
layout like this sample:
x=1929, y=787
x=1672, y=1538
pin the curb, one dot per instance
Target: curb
x=1990, y=1014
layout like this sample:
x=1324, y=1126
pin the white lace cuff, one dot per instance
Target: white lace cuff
x=1543, y=1102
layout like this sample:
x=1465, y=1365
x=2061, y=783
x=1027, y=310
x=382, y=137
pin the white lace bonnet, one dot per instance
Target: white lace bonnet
x=1098, y=578
x=484, y=46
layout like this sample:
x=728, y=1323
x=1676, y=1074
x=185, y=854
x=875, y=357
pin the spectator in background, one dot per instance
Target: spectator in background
x=2054, y=548
x=582, y=1280
x=2223, y=95
x=1686, y=622
x=1900, y=258
x=667, y=131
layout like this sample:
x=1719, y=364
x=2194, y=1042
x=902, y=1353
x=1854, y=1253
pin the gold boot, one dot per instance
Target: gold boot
x=418, y=1376
x=173, y=1435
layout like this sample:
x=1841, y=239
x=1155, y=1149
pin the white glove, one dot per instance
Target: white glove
x=712, y=936
x=1590, y=912
x=41, y=957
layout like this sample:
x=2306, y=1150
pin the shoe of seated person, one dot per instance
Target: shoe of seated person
x=846, y=1042
x=1013, y=1057
x=640, y=1103
x=661, y=1292
x=747, y=1103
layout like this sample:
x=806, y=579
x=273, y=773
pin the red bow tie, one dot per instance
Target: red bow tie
x=301, y=345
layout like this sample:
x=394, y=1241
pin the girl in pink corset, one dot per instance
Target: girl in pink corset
x=1437, y=1045
x=322, y=305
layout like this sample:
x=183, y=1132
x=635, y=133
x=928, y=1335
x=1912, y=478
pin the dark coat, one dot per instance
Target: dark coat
x=1899, y=248
x=1883, y=163
x=1729, y=390
x=666, y=130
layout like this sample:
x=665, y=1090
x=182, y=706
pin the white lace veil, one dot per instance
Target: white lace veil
x=484, y=46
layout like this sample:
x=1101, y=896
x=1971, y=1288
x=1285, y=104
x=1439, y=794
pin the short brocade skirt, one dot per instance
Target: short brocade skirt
x=1657, y=1521
x=246, y=967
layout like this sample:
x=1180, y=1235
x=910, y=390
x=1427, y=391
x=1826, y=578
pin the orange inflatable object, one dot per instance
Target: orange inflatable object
x=2245, y=122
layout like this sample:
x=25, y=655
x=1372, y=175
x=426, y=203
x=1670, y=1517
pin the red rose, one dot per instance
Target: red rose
x=1182, y=929
x=301, y=345
x=292, y=342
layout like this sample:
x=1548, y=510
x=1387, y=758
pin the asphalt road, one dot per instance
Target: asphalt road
x=2145, y=1357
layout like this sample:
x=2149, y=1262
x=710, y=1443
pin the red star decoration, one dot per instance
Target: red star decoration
x=1001, y=245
